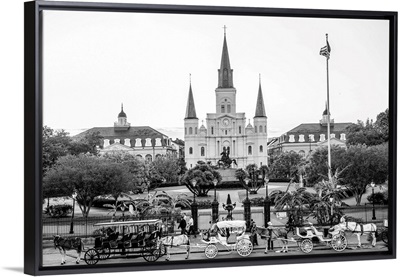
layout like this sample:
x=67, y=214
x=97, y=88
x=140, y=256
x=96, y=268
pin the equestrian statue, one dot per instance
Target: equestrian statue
x=225, y=161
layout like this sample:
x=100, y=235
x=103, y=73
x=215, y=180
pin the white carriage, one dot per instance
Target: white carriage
x=232, y=236
x=336, y=238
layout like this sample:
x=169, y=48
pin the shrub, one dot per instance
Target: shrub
x=201, y=203
x=378, y=198
x=59, y=210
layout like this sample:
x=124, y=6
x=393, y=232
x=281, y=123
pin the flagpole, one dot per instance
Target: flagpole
x=329, y=115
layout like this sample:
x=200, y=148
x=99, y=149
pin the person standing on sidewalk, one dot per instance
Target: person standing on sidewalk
x=191, y=227
x=271, y=237
x=182, y=226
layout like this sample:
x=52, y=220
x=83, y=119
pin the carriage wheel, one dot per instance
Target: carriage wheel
x=244, y=247
x=92, y=257
x=104, y=253
x=211, y=251
x=150, y=254
x=306, y=245
x=339, y=243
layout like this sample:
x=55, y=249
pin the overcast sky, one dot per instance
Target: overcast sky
x=93, y=62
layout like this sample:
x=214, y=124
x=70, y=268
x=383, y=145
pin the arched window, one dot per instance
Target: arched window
x=260, y=129
x=226, y=132
x=185, y=131
x=202, y=151
x=222, y=108
x=195, y=130
x=158, y=156
x=255, y=129
x=250, y=150
x=265, y=128
x=228, y=107
x=139, y=156
x=212, y=130
x=240, y=129
x=190, y=150
x=190, y=130
x=261, y=148
x=149, y=158
x=302, y=153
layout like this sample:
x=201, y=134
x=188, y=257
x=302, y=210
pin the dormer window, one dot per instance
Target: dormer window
x=342, y=136
x=291, y=138
x=301, y=138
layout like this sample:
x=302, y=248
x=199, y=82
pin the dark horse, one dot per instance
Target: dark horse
x=64, y=244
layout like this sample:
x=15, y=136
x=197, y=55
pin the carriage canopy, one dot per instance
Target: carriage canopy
x=129, y=223
x=231, y=224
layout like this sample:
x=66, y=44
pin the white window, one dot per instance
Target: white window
x=291, y=138
x=301, y=138
x=311, y=137
x=343, y=136
x=148, y=142
x=332, y=135
x=322, y=137
x=106, y=143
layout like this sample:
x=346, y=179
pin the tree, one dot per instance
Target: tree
x=204, y=174
x=86, y=144
x=325, y=203
x=369, y=133
x=291, y=200
x=55, y=144
x=316, y=168
x=87, y=175
x=285, y=165
x=364, y=165
x=254, y=174
x=135, y=166
x=167, y=167
x=58, y=143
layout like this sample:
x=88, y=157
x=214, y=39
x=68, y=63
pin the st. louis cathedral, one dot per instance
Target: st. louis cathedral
x=226, y=133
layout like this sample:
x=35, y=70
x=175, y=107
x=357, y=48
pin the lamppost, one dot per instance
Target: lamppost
x=215, y=204
x=373, y=200
x=194, y=206
x=267, y=208
x=331, y=200
x=246, y=205
x=71, y=230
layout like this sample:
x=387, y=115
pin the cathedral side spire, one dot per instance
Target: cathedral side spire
x=225, y=73
x=260, y=108
x=190, y=108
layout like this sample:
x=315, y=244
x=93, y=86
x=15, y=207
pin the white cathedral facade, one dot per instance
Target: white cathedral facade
x=226, y=128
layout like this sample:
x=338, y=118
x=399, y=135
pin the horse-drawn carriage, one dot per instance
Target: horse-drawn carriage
x=305, y=237
x=310, y=235
x=128, y=239
x=231, y=235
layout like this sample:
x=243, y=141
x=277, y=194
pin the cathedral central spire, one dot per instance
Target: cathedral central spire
x=225, y=73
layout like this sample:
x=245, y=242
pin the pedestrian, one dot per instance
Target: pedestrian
x=190, y=224
x=271, y=237
x=182, y=226
x=253, y=231
x=290, y=224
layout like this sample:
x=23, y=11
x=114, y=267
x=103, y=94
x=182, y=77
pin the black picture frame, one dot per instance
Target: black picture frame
x=33, y=135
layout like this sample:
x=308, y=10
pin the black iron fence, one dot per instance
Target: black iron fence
x=84, y=227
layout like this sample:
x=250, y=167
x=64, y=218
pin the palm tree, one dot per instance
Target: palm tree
x=325, y=204
x=291, y=200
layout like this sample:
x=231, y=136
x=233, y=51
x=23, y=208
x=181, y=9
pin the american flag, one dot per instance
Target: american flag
x=326, y=50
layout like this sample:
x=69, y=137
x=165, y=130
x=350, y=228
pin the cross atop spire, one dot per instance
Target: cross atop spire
x=225, y=73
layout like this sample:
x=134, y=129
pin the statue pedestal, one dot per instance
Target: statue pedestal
x=227, y=174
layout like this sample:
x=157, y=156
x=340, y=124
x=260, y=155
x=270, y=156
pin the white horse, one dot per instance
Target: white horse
x=176, y=241
x=359, y=229
x=63, y=244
